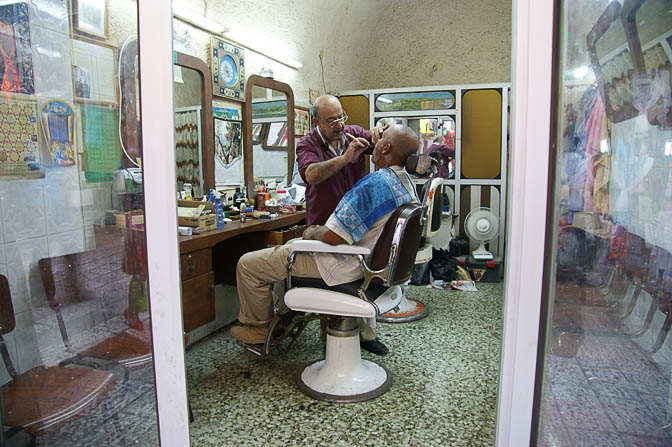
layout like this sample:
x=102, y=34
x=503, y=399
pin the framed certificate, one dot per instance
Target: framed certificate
x=89, y=17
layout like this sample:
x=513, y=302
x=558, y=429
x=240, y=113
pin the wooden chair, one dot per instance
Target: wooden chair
x=88, y=276
x=43, y=397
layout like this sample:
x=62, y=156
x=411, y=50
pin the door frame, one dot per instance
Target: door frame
x=532, y=69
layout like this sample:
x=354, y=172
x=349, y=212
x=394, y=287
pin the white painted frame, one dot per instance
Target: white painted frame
x=456, y=113
x=533, y=24
x=156, y=94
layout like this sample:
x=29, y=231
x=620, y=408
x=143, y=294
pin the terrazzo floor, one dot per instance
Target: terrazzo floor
x=445, y=370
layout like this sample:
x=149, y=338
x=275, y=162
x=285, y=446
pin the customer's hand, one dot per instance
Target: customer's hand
x=377, y=133
x=309, y=233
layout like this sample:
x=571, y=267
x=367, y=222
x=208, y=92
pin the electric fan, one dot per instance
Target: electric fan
x=481, y=225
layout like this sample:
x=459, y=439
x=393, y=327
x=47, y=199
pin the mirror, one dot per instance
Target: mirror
x=269, y=131
x=194, y=137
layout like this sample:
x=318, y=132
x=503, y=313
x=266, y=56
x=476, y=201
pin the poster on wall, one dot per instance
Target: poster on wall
x=58, y=127
x=93, y=72
x=227, y=141
x=20, y=155
x=100, y=134
x=16, y=70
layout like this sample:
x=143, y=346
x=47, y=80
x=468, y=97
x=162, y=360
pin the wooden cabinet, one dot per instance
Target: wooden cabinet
x=198, y=288
x=211, y=257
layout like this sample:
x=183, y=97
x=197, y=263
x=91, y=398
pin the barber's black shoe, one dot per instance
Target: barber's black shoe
x=374, y=346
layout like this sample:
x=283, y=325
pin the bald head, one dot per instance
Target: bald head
x=326, y=113
x=396, y=145
x=324, y=101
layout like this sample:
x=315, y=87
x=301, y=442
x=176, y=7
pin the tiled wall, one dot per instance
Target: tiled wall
x=44, y=217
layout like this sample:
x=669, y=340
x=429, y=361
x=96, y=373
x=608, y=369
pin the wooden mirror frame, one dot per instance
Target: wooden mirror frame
x=248, y=157
x=207, y=123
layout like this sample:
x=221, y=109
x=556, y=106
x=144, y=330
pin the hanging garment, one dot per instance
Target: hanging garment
x=601, y=173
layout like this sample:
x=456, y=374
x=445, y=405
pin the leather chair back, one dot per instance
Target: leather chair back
x=398, y=244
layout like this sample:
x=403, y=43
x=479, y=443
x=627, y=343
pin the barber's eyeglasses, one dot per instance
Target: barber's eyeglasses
x=342, y=118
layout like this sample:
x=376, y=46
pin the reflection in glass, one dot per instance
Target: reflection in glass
x=397, y=102
x=434, y=134
x=269, y=123
x=608, y=355
x=277, y=136
x=74, y=305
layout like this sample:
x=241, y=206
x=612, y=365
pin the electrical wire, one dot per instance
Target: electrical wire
x=322, y=65
x=121, y=93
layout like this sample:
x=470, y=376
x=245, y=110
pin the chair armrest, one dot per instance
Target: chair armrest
x=321, y=247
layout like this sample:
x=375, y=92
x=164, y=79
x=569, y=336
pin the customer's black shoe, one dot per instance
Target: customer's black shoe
x=374, y=346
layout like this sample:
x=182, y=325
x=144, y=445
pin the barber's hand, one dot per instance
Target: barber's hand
x=309, y=233
x=377, y=133
x=355, y=149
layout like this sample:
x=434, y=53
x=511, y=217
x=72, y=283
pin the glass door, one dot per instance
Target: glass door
x=82, y=332
x=605, y=368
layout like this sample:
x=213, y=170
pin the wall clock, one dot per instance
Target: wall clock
x=228, y=69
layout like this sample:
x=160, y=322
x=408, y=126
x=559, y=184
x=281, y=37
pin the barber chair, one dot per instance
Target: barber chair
x=343, y=376
x=432, y=207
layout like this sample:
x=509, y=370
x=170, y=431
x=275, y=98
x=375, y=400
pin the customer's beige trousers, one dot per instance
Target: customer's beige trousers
x=259, y=270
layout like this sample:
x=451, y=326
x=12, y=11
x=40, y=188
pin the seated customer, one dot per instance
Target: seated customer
x=358, y=219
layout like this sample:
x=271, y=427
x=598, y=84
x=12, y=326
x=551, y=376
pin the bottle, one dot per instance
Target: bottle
x=243, y=212
x=219, y=212
x=237, y=197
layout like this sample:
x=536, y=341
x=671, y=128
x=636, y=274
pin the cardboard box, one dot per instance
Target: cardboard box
x=132, y=219
x=191, y=213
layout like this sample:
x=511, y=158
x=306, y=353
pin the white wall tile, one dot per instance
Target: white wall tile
x=23, y=213
x=51, y=65
x=66, y=243
x=63, y=203
x=51, y=14
x=3, y=257
x=24, y=277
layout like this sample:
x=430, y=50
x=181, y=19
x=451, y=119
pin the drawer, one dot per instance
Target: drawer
x=198, y=301
x=195, y=263
x=279, y=237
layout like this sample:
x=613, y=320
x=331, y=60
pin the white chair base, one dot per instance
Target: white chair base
x=343, y=376
x=407, y=310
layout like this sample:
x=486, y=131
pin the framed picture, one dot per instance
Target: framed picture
x=228, y=143
x=93, y=71
x=301, y=121
x=89, y=17
x=227, y=63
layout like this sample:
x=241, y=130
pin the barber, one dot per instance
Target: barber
x=330, y=161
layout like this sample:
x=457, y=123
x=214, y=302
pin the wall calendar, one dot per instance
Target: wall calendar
x=228, y=69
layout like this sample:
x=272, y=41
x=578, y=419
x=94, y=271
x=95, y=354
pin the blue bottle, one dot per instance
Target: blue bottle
x=219, y=212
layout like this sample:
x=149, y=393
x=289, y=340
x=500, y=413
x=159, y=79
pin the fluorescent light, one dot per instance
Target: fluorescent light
x=240, y=40
x=198, y=21
x=206, y=24
x=384, y=100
